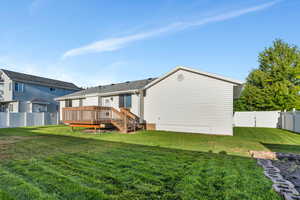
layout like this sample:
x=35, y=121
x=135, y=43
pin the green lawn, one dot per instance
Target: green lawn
x=54, y=163
x=244, y=139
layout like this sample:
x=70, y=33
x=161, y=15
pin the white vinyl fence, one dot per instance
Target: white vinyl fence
x=269, y=119
x=27, y=119
x=291, y=121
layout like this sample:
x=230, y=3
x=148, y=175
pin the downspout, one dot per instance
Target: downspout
x=141, y=106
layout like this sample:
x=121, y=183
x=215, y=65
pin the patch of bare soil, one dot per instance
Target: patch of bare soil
x=263, y=154
x=6, y=142
x=14, y=139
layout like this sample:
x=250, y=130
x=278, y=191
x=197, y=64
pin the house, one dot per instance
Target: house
x=27, y=93
x=183, y=100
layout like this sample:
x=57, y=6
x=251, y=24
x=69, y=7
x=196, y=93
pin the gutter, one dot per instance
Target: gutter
x=98, y=95
x=44, y=84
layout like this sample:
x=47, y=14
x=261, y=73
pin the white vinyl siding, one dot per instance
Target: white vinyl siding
x=111, y=101
x=62, y=104
x=91, y=101
x=135, y=104
x=75, y=103
x=115, y=102
x=189, y=102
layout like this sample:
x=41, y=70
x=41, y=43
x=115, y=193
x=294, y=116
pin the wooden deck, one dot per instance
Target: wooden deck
x=124, y=120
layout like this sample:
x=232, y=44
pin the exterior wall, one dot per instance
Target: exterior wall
x=62, y=104
x=135, y=104
x=1, y=91
x=109, y=101
x=32, y=91
x=112, y=101
x=15, y=106
x=89, y=101
x=24, y=107
x=189, y=102
x=7, y=88
x=75, y=103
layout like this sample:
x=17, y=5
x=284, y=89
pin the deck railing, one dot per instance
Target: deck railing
x=124, y=120
x=90, y=115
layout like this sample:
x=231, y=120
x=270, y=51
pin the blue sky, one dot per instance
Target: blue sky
x=98, y=42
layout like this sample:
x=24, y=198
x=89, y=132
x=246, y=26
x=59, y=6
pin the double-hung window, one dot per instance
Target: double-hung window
x=19, y=87
x=69, y=103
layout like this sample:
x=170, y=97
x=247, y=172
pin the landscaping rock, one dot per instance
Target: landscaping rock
x=284, y=187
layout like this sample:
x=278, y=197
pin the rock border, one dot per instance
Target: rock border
x=280, y=185
x=289, y=156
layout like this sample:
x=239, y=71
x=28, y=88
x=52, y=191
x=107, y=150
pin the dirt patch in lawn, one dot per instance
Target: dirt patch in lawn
x=13, y=139
x=7, y=141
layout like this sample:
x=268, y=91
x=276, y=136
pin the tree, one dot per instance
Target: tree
x=275, y=85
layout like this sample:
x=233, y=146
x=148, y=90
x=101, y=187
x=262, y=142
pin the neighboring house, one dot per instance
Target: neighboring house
x=27, y=93
x=183, y=100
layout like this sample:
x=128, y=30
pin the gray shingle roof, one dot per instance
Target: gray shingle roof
x=118, y=87
x=21, y=77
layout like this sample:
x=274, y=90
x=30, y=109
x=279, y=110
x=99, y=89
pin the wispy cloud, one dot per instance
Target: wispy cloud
x=35, y=5
x=113, y=44
x=106, y=74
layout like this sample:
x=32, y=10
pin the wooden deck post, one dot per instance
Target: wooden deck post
x=125, y=123
x=94, y=116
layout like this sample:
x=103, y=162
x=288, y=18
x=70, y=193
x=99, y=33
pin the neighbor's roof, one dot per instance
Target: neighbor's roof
x=21, y=77
x=39, y=100
x=109, y=89
x=211, y=75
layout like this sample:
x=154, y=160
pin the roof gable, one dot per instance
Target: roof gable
x=21, y=77
x=215, y=76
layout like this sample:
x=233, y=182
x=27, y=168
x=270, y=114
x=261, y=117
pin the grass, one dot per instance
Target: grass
x=244, y=139
x=53, y=163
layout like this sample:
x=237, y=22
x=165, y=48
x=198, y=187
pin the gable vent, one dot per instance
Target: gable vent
x=180, y=77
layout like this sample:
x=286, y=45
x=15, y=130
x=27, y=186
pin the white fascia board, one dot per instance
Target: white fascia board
x=215, y=76
x=71, y=97
x=97, y=94
x=113, y=93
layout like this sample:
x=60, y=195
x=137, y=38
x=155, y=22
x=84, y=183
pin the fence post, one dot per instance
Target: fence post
x=25, y=119
x=43, y=119
x=281, y=120
x=57, y=118
x=254, y=118
x=294, y=119
x=8, y=119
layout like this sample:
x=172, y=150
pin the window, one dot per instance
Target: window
x=80, y=102
x=125, y=101
x=19, y=87
x=69, y=103
x=52, y=89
